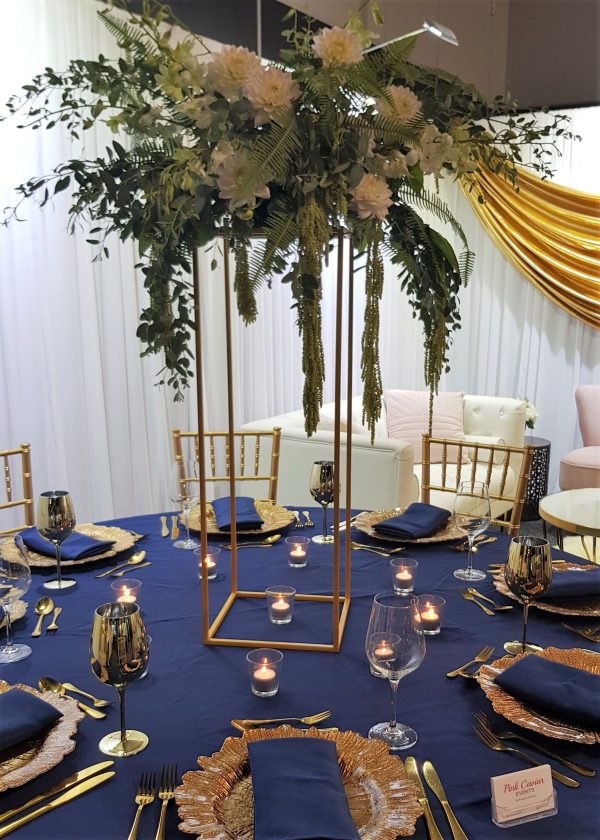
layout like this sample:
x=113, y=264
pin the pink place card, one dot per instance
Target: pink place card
x=523, y=796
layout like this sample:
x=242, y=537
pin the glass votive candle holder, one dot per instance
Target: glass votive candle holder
x=404, y=571
x=280, y=603
x=126, y=590
x=210, y=561
x=431, y=608
x=298, y=556
x=264, y=666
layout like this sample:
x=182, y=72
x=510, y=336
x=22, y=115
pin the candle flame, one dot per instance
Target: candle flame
x=125, y=591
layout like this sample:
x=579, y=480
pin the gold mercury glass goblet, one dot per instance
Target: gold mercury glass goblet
x=528, y=575
x=119, y=650
x=322, y=490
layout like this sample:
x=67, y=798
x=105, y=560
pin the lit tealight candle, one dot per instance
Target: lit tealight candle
x=384, y=652
x=298, y=551
x=126, y=596
x=211, y=568
x=281, y=607
x=298, y=556
x=264, y=678
x=430, y=619
x=403, y=574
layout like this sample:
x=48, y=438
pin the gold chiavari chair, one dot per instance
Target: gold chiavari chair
x=252, y=459
x=23, y=488
x=505, y=469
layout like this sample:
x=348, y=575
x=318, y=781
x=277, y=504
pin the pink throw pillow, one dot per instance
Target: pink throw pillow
x=408, y=418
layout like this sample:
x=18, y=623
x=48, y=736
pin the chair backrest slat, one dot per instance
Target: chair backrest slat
x=10, y=459
x=495, y=464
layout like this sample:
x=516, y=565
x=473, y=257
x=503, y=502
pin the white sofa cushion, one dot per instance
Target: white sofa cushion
x=408, y=418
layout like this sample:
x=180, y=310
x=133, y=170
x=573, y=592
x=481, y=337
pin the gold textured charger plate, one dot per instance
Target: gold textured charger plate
x=274, y=518
x=122, y=541
x=517, y=712
x=586, y=606
x=217, y=804
x=365, y=522
x=25, y=761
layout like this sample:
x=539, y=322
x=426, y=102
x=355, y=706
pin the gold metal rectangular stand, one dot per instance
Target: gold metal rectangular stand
x=339, y=599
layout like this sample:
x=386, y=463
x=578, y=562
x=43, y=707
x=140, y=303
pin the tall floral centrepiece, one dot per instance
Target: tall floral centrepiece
x=330, y=140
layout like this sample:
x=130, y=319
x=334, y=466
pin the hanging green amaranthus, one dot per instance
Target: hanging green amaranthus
x=370, y=369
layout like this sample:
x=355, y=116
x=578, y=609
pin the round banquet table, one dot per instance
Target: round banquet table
x=186, y=702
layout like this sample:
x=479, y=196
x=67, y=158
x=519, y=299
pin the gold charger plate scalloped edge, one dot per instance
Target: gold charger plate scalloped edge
x=216, y=803
x=17, y=768
x=364, y=522
x=275, y=517
x=123, y=541
x=563, y=606
x=517, y=712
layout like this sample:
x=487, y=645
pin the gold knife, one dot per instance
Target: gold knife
x=174, y=528
x=413, y=774
x=76, y=791
x=80, y=776
x=433, y=780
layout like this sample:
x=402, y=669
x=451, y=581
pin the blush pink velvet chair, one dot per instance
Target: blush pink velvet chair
x=581, y=467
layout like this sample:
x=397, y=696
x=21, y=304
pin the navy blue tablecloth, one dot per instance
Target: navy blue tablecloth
x=191, y=692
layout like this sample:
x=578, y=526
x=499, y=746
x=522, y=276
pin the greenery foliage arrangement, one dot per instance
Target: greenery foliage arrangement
x=330, y=139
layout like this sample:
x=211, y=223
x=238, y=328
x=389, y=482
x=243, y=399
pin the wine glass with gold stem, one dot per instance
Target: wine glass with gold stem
x=55, y=522
x=528, y=574
x=322, y=489
x=119, y=651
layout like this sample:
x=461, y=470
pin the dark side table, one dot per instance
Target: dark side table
x=537, y=485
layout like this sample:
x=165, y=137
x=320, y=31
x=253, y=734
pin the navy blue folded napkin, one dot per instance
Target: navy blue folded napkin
x=76, y=547
x=298, y=791
x=556, y=690
x=418, y=520
x=574, y=584
x=246, y=517
x=23, y=716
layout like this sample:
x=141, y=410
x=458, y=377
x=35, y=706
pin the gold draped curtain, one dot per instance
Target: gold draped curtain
x=550, y=233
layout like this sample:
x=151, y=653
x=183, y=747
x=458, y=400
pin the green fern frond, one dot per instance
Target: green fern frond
x=432, y=203
x=391, y=131
x=128, y=37
x=466, y=264
x=269, y=158
x=281, y=231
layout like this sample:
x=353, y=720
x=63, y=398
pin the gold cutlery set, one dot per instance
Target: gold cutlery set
x=483, y=656
x=435, y=785
x=146, y=794
x=44, y=607
x=472, y=594
x=592, y=634
x=70, y=788
x=482, y=539
x=309, y=720
x=494, y=738
x=138, y=560
x=49, y=684
x=308, y=523
x=381, y=551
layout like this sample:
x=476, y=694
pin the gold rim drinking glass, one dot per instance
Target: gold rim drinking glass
x=395, y=646
x=322, y=489
x=472, y=514
x=119, y=651
x=528, y=575
x=55, y=522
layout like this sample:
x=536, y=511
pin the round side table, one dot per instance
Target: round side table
x=537, y=484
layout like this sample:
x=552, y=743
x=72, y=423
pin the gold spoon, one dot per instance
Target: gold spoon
x=267, y=541
x=496, y=606
x=48, y=684
x=134, y=560
x=43, y=607
x=96, y=701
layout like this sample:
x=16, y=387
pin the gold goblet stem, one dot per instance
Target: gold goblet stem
x=324, y=521
x=525, y=617
x=58, y=569
x=121, y=691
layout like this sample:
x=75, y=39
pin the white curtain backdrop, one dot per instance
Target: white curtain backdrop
x=72, y=382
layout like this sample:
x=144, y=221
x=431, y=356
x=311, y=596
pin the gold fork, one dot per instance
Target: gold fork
x=587, y=633
x=507, y=734
x=309, y=720
x=144, y=796
x=382, y=553
x=490, y=740
x=496, y=606
x=469, y=597
x=166, y=792
x=483, y=655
